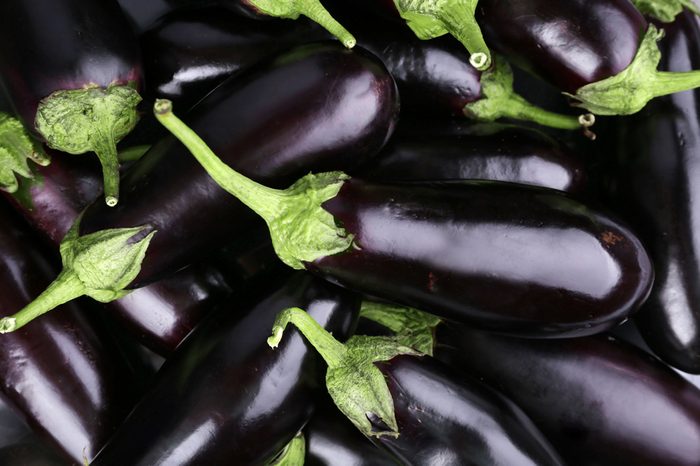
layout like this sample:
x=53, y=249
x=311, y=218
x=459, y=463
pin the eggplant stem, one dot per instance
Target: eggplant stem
x=670, y=82
x=313, y=10
x=66, y=287
x=106, y=151
x=331, y=350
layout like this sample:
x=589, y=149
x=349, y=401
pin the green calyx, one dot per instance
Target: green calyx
x=312, y=9
x=665, y=10
x=499, y=100
x=413, y=328
x=356, y=385
x=301, y=230
x=99, y=265
x=92, y=119
x=434, y=18
x=629, y=91
x=293, y=454
x=16, y=147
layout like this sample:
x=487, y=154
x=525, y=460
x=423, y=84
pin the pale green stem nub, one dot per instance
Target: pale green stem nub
x=312, y=9
x=332, y=351
x=520, y=109
x=463, y=26
x=106, y=152
x=264, y=201
x=66, y=287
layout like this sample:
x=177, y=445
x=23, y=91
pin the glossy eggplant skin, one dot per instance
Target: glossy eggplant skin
x=568, y=43
x=68, y=380
x=657, y=177
x=64, y=45
x=600, y=401
x=189, y=53
x=332, y=440
x=511, y=154
x=447, y=419
x=502, y=257
x=225, y=397
x=343, y=102
x=160, y=315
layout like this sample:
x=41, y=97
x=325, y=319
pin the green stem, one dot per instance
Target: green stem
x=520, y=109
x=313, y=10
x=668, y=82
x=134, y=153
x=106, y=149
x=332, y=351
x=266, y=202
x=462, y=25
x=66, y=287
x=293, y=454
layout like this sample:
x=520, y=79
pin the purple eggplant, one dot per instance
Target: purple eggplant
x=602, y=53
x=189, y=53
x=657, y=190
x=73, y=77
x=478, y=152
x=225, y=397
x=601, y=402
x=502, y=257
x=343, y=102
x=415, y=407
x=68, y=380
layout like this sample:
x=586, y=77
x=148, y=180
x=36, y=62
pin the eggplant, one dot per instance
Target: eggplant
x=225, y=397
x=603, y=54
x=600, y=401
x=74, y=76
x=160, y=315
x=415, y=407
x=494, y=255
x=332, y=440
x=657, y=189
x=189, y=53
x=69, y=381
x=478, y=152
x=343, y=102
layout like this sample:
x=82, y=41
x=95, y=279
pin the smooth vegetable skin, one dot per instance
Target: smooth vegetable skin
x=446, y=419
x=503, y=257
x=568, y=43
x=190, y=52
x=600, y=401
x=74, y=75
x=332, y=440
x=658, y=180
x=478, y=152
x=225, y=397
x=319, y=107
x=68, y=380
x=500, y=257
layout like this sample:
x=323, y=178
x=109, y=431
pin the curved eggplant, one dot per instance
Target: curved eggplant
x=344, y=103
x=478, y=152
x=225, y=397
x=600, y=401
x=189, y=53
x=657, y=177
x=69, y=381
x=73, y=76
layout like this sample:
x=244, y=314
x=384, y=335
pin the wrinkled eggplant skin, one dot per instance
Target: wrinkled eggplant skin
x=64, y=45
x=479, y=152
x=456, y=250
x=600, y=401
x=191, y=52
x=160, y=315
x=343, y=102
x=447, y=419
x=225, y=396
x=568, y=43
x=658, y=177
x=331, y=440
x=68, y=381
